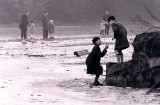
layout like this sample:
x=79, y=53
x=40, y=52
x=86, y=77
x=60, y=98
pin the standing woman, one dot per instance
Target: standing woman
x=120, y=34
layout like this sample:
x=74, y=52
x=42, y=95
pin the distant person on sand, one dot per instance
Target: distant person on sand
x=51, y=29
x=120, y=34
x=107, y=25
x=32, y=29
x=103, y=28
x=93, y=60
x=23, y=25
x=45, y=23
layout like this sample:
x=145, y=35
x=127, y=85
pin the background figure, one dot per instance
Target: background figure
x=107, y=25
x=51, y=28
x=45, y=25
x=32, y=29
x=120, y=34
x=23, y=25
x=103, y=28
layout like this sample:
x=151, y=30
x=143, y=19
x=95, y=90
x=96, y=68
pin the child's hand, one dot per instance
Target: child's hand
x=106, y=47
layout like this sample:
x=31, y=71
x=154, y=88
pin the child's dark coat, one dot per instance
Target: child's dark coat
x=93, y=60
x=120, y=34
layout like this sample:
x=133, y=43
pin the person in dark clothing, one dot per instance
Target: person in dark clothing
x=120, y=34
x=93, y=60
x=45, y=25
x=107, y=25
x=23, y=25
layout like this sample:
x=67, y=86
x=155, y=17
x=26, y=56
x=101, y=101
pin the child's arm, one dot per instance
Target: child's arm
x=98, y=51
x=115, y=30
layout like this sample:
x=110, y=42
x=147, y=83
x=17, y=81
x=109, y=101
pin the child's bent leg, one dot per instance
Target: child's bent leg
x=119, y=56
x=96, y=82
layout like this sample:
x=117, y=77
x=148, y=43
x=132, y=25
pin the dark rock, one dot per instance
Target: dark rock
x=149, y=43
x=144, y=68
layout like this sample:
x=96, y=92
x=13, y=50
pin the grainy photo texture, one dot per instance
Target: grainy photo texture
x=79, y=52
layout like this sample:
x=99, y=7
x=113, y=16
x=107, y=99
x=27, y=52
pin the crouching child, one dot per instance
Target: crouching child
x=93, y=60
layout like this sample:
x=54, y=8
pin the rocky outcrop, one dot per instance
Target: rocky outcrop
x=144, y=68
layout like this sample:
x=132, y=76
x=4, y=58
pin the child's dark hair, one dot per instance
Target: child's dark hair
x=31, y=21
x=95, y=39
x=111, y=18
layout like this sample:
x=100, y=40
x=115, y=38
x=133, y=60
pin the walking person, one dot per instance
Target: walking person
x=51, y=29
x=107, y=25
x=120, y=35
x=93, y=60
x=23, y=25
x=45, y=24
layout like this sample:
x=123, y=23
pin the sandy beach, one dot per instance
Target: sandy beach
x=48, y=73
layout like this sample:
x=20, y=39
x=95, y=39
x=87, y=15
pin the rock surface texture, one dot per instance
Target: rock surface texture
x=144, y=68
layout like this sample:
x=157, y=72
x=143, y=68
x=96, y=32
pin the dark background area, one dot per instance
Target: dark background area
x=77, y=11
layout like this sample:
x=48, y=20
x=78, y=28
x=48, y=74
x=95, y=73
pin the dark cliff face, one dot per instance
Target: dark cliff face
x=76, y=11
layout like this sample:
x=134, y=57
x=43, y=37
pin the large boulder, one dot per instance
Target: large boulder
x=149, y=43
x=144, y=68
